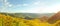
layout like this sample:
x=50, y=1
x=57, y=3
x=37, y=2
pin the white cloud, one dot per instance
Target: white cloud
x=10, y=5
x=15, y=6
x=7, y=3
x=5, y=0
x=37, y=3
x=25, y=4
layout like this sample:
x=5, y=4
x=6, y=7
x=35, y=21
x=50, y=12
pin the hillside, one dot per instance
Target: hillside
x=54, y=18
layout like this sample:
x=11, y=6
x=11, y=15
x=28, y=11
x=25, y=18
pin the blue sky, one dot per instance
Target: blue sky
x=30, y=6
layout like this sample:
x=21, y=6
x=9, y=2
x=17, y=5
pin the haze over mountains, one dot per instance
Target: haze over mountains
x=33, y=15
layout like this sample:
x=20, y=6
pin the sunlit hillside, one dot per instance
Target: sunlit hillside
x=12, y=20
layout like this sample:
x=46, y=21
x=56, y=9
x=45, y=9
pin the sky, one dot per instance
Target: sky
x=30, y=6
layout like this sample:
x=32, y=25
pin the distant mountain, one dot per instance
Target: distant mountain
x=33, y=15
